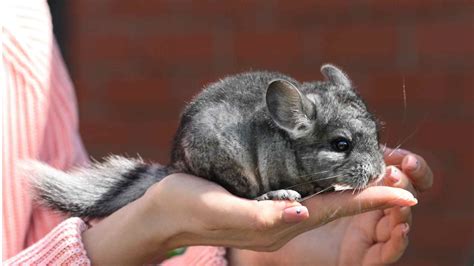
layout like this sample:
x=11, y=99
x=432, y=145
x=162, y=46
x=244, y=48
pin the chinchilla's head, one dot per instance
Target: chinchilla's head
x=334, y=137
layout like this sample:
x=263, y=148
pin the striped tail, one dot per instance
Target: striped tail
x=95, y=191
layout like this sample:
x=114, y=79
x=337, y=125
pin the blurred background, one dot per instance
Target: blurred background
x=135, y=64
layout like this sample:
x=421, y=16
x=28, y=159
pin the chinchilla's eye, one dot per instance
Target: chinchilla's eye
x=341, y=145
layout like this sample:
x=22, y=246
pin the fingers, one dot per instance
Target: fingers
x=325, y=208
x=394, y=248
x=391, y=250
x=413, y=165
x=295, y=214
x=264, y=225
x=270, y=214
x=418, y=171
x=285, y=219
x=261, y=215
x=396, y=178
x=386, y=224
x=400, y=215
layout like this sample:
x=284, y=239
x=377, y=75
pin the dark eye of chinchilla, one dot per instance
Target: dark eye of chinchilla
x=341, y=145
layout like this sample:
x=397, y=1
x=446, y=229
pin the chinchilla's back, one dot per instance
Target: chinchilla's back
x=244, y=92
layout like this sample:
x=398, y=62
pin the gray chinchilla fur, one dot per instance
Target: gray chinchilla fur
x=256, y=134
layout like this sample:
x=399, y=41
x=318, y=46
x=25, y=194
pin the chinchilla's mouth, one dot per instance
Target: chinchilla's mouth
x=378, y=181
x=342, y=186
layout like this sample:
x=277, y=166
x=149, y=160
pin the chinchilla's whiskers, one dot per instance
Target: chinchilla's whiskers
x=394, y=149
x=406, y=139
x=333, y=214
x=313, y=174
x=360, y=190
x=384, y=147
x=317, y=193
x=360, y=205
x=357, y=189
x=404, y=102
x=404, y=116
x=328, y=177
x=312, y=181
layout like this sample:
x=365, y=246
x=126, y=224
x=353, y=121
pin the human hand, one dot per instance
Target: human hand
x=414, y=166
x=215, y=217
x=182, y=210
x=376, y=237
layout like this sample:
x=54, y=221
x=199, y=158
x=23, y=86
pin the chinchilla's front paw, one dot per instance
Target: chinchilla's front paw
x=282, y=194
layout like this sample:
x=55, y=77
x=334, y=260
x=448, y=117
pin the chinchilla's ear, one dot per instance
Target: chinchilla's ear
x=289, y=108
x=335, y=76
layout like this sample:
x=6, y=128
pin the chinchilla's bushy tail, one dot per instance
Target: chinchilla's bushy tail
x=94, y=191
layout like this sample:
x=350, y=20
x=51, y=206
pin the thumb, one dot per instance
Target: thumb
x=325, y=208
x=280, y=213
x=265, y=215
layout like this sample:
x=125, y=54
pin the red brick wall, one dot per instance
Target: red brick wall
x=136, y=63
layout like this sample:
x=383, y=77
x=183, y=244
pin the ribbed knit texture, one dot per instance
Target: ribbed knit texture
x=40, y=122
x=61, y=246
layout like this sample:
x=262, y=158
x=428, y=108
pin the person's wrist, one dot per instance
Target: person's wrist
x=134, y=234
x=164, y=228
x=180, y=218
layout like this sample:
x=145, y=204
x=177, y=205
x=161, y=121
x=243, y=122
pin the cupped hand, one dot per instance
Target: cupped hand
x=371, y=238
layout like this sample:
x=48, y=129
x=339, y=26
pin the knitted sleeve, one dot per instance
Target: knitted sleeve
x=61, y=246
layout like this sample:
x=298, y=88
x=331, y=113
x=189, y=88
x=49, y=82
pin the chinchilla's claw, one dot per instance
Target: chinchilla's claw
x=281, y=194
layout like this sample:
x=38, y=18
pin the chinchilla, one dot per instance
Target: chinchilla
x=257, y=134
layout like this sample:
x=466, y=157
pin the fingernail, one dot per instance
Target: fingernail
x=393, y=174
x=408, y=199
x=405, y=230
x=413, y=201
x=412, y=163
x=295, y=214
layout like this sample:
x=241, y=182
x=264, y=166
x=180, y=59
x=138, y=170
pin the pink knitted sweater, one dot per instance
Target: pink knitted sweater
x=40, y=122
